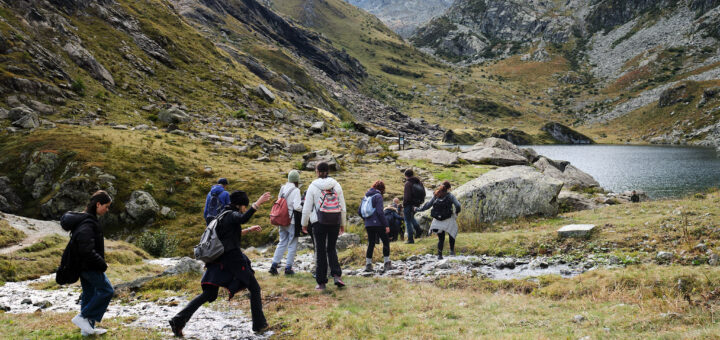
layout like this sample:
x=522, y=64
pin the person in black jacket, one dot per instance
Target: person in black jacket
x=232, y=269
x=89, y=255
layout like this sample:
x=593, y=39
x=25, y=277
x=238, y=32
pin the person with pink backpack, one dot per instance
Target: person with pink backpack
x=285, y=214
x=325, y=210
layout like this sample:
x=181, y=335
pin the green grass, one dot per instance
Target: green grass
x=58, y=326
x=9, y=235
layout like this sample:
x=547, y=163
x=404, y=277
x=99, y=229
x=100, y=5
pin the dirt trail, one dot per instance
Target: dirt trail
x=34, y=230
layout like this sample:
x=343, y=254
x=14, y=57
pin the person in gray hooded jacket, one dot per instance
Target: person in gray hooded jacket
x=325, y=209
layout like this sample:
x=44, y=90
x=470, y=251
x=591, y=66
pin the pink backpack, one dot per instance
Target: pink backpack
x=329, y=211
x=279, y=213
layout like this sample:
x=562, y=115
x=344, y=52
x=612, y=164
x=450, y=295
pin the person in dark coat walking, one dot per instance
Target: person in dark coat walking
x=410, y=203
x=232, y=270
x=376, y=226
x=89, y=255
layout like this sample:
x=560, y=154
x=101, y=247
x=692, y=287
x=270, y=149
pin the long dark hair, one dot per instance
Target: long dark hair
x=99, y=196
x=442, y=190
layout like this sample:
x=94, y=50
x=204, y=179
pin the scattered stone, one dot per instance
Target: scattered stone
x=141, y=207
x=4, y=308
x=120, y=127
x=311, y=159
x=42, y=304
x=26, y=302
x=41, y=108
x=185, y=265
x=348, y=240
x=701, y=247
x=671, y=315
x=317, y=127
x=576, y=230
x=664, y=256
x=173, y=115
x=578, y=318
x=297, y=148
x=265, y=93
x=167, y=213
x=714, y=260
x=263, y=159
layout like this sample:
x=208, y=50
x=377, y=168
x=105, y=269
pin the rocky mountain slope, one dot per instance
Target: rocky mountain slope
x=402, y=16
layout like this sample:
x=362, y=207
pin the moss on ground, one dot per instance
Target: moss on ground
x=9, y=235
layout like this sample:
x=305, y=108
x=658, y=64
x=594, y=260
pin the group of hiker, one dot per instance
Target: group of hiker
x=320, y=212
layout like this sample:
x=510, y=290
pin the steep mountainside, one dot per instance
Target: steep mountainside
x=402, y=16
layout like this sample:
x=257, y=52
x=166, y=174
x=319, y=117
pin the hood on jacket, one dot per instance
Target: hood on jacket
x=217, y=189
x=72, y=220
x=372, y=192
x=390, y=208
x=324, y=183
x=413, y=180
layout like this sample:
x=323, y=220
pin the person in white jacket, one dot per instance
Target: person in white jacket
x=325, y=211
x=287, y=234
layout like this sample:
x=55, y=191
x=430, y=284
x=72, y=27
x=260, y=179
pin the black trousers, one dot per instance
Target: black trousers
x=210, y=293
x=373, y=234
x=325, y=253
x=441, y=242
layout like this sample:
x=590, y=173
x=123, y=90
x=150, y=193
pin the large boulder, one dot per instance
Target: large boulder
x=311, y=159
x=574, y=201
x=85, y=60
x=24, y=117
x=565, y=135
x=265, y=93
x=442, y=157
x=141, y=208
x=505, y=193
x=498, y=143
x=38, y=176
x=173, y=115
x=317, y=127
x=9, y=201
x=573, y=177
x=494, y=156
x=347, y=240
x=74, y=193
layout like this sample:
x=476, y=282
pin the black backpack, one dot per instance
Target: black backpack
x=418, y=194
x=442, y=208
x=69, y=270
x=214, y=207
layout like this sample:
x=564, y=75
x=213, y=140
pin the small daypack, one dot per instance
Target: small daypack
x=367, y=208
x=442, y=208
x=210, y=246
x=328, y=210
x=280, y=213
x=418, y=194
x=69, y=271
x=214, y=206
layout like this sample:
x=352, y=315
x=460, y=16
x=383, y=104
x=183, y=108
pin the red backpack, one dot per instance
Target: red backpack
x=280, y=214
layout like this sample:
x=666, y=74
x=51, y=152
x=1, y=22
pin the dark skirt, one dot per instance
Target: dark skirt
x=232, y=270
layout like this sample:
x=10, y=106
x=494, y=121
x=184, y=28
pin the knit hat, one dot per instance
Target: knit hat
x=239, y=198
x=223, y=181
x=294, y=176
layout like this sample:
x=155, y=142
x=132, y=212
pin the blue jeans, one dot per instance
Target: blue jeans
x=288, y=242
x=411, y=225
x=96, y=294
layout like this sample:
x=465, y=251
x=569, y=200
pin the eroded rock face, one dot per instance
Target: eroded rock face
x=9, y=201
x=505, y=193
x=173, y=115
x=311, y=159
x=74, y=193
x=442, y=157
x=85, y=60
x=141, y=207
x=38, y=176
x=566, y=135
x=567, y=173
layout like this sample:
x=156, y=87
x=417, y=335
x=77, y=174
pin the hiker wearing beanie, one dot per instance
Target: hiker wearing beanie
x=216, y=200
x=289, y=196
x=325, y=209
x=376, y=226
x=232, y=270
x=86, y=255
x=444, y=218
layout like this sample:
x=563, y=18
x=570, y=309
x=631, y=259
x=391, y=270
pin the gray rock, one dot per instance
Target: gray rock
x=9, y=201
x=74, y=192
x=19, y=112
x=4, y=113
x=494, y=156
x=311, y=160
x=701, y=247
x=664, y=256
x=714, y=260
x=30, y=121
x=297, y=148
x=567, y=173
x=85, y=60
x=574, y=201
x=305, y=242
x=120, y=127
x=4, y=308
x=167, y=213
x=578, y=318
x=493, y=142
x=317, y=127
x=530, y=154
x=173, y=115
x=41, y=108
x=347, y=240
x=141, y=207
x=185, y=265
x=576, y=230
x=265, y=93
x=43, y=304
x=505, y=193
x=26, y=301
x=442, y=157
x=39, y=173
x=565, y=135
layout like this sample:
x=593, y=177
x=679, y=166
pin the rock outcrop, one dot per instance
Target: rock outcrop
x=74, y=192
x=311, y=159
x=141, y=208
x=565, y=135
x=567, y=173
x=442, y=157
x=38, y=178
x=85, y=60
x=9, y=201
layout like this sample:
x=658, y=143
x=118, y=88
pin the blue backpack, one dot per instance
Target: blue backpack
x=214, y=206
x=367, y=208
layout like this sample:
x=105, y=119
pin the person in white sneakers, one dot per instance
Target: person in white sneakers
x=288, y=234
x=88, y=254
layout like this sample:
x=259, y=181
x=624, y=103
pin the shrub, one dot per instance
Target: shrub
x=158, y=243
x=348, y=125
x=78, y=86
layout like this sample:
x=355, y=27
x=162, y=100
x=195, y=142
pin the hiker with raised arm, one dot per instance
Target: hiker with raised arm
x=231, y=269
x=286, y=214
x=325, y=210
x=216, y=200
x=444, y=216
x=376, y=225
x=84, y=259
x=413, y=197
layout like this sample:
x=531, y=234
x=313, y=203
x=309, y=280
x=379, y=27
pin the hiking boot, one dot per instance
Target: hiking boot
x=176, y=326
x=440, y=256
x=320, y=286
x=273, y=269
x=260, y=328
x=369, y=268
x=289, y=271
x=338, y=282
x=387, y=266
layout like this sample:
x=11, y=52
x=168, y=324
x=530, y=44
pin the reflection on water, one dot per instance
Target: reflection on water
x=661, y=171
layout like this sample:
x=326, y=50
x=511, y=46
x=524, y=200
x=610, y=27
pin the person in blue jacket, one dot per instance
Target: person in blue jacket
x=376, y=225
x=216, y=199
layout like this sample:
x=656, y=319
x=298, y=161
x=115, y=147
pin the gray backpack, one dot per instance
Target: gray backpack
x=210, y=246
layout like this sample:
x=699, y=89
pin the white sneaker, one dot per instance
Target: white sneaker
x=99, y=331
x=83, y=324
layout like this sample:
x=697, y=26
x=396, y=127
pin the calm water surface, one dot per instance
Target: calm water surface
x=661, y=171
